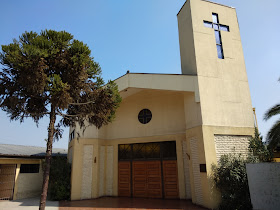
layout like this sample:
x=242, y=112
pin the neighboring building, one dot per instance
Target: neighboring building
x=21, y=174
x=170, y=129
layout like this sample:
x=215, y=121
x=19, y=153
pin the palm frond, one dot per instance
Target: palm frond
x=272, y=112
x=273, y=135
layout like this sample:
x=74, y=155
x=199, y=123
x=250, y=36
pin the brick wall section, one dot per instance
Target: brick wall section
x=109, y=171
x=187, y=170
x=101, y=170
x=87, y=172
x=229, y=144
x=196, y=172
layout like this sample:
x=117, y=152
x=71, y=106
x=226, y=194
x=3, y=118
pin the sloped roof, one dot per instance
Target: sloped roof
x=27, y=151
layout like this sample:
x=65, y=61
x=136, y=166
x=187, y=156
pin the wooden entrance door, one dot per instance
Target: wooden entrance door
x=170, y=179
x=146, y=178
x=148, y=170
x=7, y=181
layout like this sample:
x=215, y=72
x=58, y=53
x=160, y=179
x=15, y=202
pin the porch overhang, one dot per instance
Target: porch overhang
x=172, y=82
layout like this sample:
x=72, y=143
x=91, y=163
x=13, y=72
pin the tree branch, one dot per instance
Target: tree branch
x=89, y=102
x=68, y=115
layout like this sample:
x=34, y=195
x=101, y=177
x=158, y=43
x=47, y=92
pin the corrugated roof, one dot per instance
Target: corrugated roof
x=27, y=151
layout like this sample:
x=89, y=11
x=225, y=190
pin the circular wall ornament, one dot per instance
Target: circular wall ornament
x=145, y=116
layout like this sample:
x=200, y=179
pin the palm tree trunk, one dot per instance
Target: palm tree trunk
x=48, y=159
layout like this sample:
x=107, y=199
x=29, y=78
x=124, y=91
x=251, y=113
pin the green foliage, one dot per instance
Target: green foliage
x=51, y=74
x=51, y=69
x=273, y=135
x=259, y=149
x=230, y=179
x=60, y=174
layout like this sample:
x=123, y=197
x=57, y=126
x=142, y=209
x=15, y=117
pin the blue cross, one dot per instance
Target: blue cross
x=217, y=29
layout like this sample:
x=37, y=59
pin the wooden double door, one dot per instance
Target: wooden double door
x=148, y=179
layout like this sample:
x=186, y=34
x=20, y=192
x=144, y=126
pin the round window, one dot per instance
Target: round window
x=145, y=116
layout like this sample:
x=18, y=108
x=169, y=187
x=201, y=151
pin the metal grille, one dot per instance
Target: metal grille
x=7, y=181
x=148, y=151
x=124, y=151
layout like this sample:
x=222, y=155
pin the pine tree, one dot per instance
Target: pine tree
x=51, y=74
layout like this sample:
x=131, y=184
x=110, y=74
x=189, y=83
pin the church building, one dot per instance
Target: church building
x=170, y=128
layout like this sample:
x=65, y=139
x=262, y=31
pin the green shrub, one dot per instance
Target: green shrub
x=259, y=149
x=230, y=179
x=59, y=184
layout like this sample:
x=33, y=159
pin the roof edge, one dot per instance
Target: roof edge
x=206, y=1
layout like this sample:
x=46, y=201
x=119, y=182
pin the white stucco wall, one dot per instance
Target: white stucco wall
x=29, y=184
x=264, y=184
x=87, y=172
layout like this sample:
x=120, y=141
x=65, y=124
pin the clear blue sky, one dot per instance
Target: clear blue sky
x=141, y=36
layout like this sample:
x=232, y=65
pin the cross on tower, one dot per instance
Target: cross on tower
x=217, y=29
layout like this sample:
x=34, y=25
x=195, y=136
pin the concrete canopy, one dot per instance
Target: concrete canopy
x=135, y=82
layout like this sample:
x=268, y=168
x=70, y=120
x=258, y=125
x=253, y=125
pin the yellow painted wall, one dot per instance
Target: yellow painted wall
x=167, y=108
x=218, y=103
x=77, y=163
x=223, y=86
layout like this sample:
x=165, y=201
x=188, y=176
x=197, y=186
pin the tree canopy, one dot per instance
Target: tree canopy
x=273, y=135
x=52, y=74
x=53, y=68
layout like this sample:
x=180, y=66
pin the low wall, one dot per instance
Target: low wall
x=264, y=184
x=29, y=184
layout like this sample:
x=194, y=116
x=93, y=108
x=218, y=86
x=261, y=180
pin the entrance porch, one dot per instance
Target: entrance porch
x=122, y=203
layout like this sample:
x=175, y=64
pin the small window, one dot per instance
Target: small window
x=220, y=52
x=208, y=24
x=145, y=116
x=29, y=168
x=224, y=28
x=153, y=150
x=215, y=18
x=216, y=27
x=124, y=151
x=218, y=37
x=169, y=150
x=139, y=151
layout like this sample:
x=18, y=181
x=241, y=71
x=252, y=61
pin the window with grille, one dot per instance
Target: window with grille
x=145, y=116
x=148, y=151
x=29, y=168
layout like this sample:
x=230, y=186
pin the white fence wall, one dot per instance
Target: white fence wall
x=264, y=184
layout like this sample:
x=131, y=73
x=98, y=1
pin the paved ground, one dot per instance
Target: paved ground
x=120, y=203
x=30, y=204
x=105, y=203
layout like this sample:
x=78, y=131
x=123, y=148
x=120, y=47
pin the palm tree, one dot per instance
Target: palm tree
x=273, y=135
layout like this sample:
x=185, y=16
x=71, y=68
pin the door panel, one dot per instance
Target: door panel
x=154, y=179
x=7, y=181
x=124, y=179
x=170, y=179
x=139, y=179
x=147, y=179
